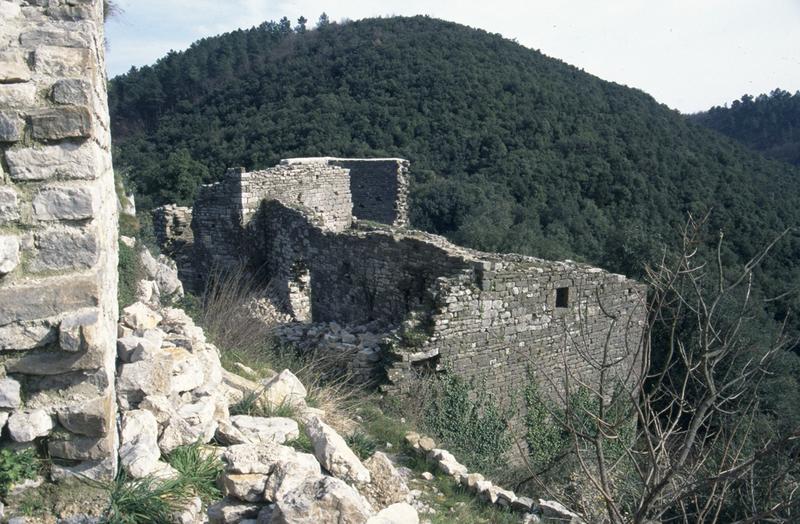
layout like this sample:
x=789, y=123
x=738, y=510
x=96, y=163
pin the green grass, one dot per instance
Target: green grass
x=143, y=501
x=251, y=404
x=199, y=469
x=130, y=273
x=362, y=444
x=302, y=442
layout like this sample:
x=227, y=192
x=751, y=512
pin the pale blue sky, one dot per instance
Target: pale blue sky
x=688, y=54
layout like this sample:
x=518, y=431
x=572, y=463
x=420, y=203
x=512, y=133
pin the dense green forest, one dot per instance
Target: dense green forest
x=768, y=123
x=511, y=150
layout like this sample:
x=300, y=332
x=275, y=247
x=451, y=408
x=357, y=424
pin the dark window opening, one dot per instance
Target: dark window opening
x=562, y=297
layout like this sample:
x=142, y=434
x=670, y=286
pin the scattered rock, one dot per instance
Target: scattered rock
x=386, y=485
x=322, y=499
x=138, y=451
x=139, y=316
x=231, y=511
x=399, y=513
x=260, y=430
x=284, y=389
x=333, y=453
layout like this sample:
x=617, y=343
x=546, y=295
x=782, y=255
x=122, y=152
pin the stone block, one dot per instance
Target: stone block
x=80, y=331
x=27, y=426
x=9, y=205
x=63, y=122
x=60, y=249
x=94, y=417
x=26, y=336
x=72, y=91
x=63, y=61
x=51, y=36
x=71, y=13
x=9, y=254
x=17, y=95
x=9, y=393
x=67, y=160
x=55, y=363
x=14, y=67
x=65, y=203
x=9, y=10
x=10, y=127
x=47, y=298
x=81, y=448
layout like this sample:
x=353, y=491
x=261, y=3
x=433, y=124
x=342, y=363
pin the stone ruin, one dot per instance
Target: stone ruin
x=58, y=235
x=331, y=236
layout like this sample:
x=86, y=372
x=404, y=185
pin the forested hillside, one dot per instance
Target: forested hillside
x=511, y=150
x=767, y=123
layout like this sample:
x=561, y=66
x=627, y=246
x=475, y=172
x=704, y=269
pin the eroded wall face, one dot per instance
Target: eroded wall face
x=379, y=188
x=58, y=234
x=223, y=210
x=515, y=323
x=355, y=276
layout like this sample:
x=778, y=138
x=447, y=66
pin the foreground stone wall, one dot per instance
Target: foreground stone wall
x=58, y=227
x=500, y=319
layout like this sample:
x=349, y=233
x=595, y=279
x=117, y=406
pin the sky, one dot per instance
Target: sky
x=688, y=54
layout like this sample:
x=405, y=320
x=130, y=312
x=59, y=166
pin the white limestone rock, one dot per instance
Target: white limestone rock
x=557, y=512
x=138, y=451
x=139, y=316
x=9, y=393
x=322, y=499
x=284, y=389
x=140, y=379
x=399, y=513
x=386, y=485
x=26, y=426
x=248, y=487
x=260, y=430
x=334, y=454
x=9, y=253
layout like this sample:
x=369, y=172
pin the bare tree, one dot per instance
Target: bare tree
x=678, y=435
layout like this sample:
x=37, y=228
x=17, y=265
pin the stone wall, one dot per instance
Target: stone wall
x=379, y=186
x=58, y=234
x=494, y=318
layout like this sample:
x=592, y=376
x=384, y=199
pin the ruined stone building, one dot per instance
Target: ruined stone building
x=331, y=234
x=58, y=235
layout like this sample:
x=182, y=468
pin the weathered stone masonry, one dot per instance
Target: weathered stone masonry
x=58, y=227
x=485, y=316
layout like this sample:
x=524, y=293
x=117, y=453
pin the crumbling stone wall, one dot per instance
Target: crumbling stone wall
x=513, y=318
x=58, y=234
x=495, y=318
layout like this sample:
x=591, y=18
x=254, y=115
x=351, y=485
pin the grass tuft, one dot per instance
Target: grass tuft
x=362, y=444
x=145, y=500
x=199, y=468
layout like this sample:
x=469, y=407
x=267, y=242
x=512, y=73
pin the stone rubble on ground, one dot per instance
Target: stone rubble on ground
x=546, y=511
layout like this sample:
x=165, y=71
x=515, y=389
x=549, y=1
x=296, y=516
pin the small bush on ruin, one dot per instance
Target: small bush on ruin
x=17, y=466
x=468, y=421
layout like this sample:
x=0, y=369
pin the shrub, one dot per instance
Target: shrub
x=130, y=273
x=16, y=466
x=543, y=434
x=468, y=421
